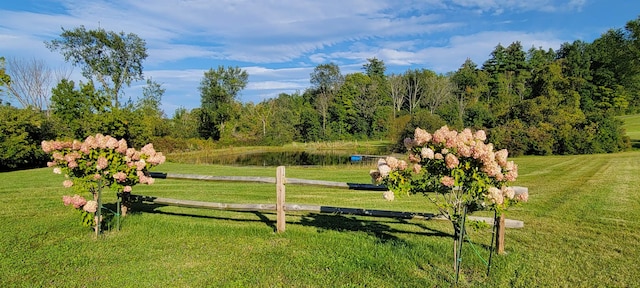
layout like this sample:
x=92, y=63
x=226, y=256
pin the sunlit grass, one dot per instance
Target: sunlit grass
x=581, y=230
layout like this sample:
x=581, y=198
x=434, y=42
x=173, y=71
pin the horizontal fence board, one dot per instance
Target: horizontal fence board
x=272, y=180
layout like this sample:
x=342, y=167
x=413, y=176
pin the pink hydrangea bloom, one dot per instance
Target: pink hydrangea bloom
x=464, y=151
x=508, y=192
x=111, y=143
x=122, y=146
x=91, y=206
x=480, y=135
x=78, y=201
x=440, y=136
x=140, y=165
x=413, y=158
x=102, y=163
x=148, y=150
x=66, y=199
x=451, y=161
x=417, y=168
x=501, y=157
x=57, y=170
x=389, y=195
x=67, y=183
x=392, y=162
x=47, y=147
x=402, y=165
x=384, y=170
x=120, y=176
x=72, y=164
x=495, y=196
x=447, y=181
x=126, y=188
x=421, y=137
x=523, y=197
x=76, y=145
x=427, y=153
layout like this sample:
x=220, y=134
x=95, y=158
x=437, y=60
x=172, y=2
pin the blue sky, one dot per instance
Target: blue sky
x=280, y=42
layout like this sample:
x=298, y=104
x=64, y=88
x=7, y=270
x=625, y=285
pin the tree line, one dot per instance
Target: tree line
x=530, y=101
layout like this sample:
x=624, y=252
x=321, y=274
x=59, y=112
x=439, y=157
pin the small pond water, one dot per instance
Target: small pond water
x=289, y=158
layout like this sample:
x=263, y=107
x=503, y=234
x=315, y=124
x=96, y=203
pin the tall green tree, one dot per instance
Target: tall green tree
x=112, y=59
x=614, y=71
x=508, y=73
x=77, y=108
x=326, y=80
x=218, y=96
x=471, y=83
x=184, y=123
x=148, y=106
x=374, y=68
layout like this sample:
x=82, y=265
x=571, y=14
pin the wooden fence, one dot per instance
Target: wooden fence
x=281, y=206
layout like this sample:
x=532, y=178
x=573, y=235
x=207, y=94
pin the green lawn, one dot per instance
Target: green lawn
x=632, y=126
x=581, y=230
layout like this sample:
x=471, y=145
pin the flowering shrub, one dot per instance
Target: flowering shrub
x=99, y=162
x=458, y=171
x=459, y=165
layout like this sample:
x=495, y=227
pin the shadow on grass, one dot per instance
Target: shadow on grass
x=378, y=228
x=139, y=208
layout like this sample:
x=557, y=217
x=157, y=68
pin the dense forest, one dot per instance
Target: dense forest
x=530, y=101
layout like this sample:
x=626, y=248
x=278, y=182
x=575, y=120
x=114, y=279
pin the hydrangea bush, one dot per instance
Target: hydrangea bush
x=97, y=163
x=457, y=171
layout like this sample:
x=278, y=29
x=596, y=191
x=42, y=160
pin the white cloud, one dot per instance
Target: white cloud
x=280, y=42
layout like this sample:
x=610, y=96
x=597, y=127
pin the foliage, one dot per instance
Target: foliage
x=100, y=162
x=112, y=59
x=20, y=132
x=465, y=174
x=78, y=108
x=218, y=91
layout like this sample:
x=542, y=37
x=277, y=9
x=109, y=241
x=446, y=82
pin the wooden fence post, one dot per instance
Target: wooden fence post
x=280, y=193
x=500, y=237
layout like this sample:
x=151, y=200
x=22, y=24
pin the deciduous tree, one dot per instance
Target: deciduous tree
x=326, y=79
x=218, y=91
x=112, y=59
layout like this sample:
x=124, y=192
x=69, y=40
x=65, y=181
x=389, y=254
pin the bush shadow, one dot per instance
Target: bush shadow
x=152, y=208
x=379, y=228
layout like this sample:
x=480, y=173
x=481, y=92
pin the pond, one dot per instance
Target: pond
x=287, y=158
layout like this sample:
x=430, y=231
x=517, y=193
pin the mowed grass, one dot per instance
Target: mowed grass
x=581, y=230
x=632, y=127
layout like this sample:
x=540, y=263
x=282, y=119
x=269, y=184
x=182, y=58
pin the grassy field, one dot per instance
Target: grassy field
x=632, y=126
x=581, y=230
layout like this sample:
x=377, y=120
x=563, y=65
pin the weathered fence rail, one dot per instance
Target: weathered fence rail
x=271, y=180
x=281, y=207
